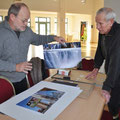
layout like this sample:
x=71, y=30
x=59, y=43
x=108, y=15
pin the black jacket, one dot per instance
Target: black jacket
x=111, y=56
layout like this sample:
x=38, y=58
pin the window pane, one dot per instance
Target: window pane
x=66, y=20
x=48, y=32
x=48, y=29
x=55, y=32
x=42, y=29
x=29, y=23
x=66, y=28
x=42, y=26
x=1, y=18
x=66, y=25
x=55, y=20
x=36, y=19
x=29, y=20
x=55, y=26
x=42, y=19
x=48, y=19
x=36, y=27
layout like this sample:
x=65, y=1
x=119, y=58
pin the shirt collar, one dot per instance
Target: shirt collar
x=113, y=29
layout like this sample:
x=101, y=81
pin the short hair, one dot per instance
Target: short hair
x=15, y=8
x=110, y=14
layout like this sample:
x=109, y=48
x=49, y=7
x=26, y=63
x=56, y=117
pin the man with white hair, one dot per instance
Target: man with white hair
x=109, y=50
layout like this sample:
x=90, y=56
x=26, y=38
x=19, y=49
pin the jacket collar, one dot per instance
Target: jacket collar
x=113, y=29
x=7, y=24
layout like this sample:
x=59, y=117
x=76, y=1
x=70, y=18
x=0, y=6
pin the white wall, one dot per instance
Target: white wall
x=71, y=6
x=74, y=6
x=115, y=5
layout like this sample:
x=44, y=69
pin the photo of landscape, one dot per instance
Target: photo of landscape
x=42, y=100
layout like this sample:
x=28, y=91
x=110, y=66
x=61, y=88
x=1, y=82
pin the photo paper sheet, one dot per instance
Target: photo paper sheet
x=66, y=55
x=43, y=101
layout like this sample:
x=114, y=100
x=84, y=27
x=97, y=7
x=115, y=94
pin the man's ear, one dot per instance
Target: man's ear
x=12, y=17
x=111, y=22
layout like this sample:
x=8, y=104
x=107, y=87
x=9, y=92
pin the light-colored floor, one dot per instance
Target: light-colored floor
x=88, y=49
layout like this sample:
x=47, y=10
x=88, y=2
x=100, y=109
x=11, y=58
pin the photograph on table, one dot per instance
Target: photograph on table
x=42, y=100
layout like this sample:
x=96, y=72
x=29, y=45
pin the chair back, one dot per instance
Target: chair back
x=38, y=72
x=87, y=63
x=6, y=89
x=29, y=80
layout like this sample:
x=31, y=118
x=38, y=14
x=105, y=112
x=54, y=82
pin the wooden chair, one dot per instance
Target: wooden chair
x=6, y=89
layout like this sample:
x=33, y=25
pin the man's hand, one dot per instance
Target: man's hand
x=93, y=74
x=24, y=67
x=60, y=39
x=106, y=95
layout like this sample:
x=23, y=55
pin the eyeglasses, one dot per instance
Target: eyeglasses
x=23, y=21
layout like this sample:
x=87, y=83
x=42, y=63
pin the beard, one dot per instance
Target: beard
x=19, y=28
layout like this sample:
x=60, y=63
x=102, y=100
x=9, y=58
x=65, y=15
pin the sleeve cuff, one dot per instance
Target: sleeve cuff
x=106, y=88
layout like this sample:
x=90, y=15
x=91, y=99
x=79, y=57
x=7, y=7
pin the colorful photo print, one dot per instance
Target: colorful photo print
x=62, y=46
x=42, y=100
x=62, y=56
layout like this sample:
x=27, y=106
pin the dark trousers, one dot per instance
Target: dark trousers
x=20, y=86
x=114, y=103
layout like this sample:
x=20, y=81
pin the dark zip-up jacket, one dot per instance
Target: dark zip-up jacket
x=110, y=52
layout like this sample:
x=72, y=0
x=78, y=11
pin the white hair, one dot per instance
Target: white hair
x=110, y=14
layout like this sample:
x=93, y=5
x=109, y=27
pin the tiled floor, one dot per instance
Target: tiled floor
x=88, y=49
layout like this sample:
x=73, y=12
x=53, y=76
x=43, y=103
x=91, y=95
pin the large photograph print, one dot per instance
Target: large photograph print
x=42, y=100
x=66, y=55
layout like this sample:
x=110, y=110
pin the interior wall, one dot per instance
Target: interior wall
x=94, y=32
x=74, y=25
x=3, y=13
x=71, y=6
x=75, y=6
x=115, y=5
x=5, y=4
x=39, y=5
